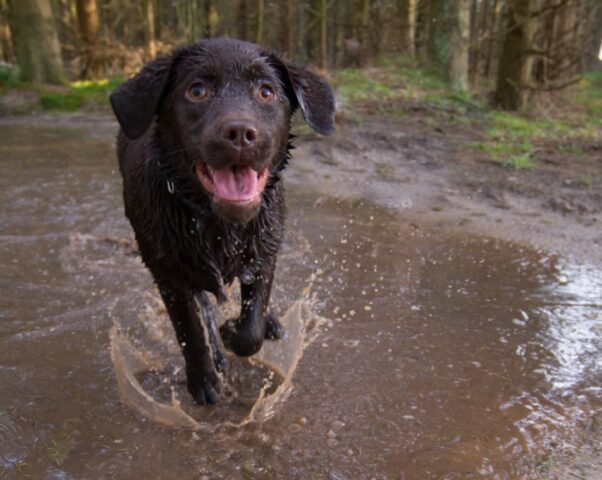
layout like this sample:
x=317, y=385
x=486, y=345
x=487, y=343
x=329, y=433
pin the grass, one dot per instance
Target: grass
x=9, y=75
x=510, y=138
x=388, y=80
x=79, y=94
x=590, y=96
x=516, y=156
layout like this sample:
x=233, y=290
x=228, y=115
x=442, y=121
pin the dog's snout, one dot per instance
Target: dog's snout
x=240, y=134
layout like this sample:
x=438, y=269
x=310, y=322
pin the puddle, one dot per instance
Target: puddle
x=411, y=354
x=154, y=384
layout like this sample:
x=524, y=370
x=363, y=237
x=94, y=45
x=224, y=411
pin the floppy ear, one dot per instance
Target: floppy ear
x=311, y=94
x=135, y=102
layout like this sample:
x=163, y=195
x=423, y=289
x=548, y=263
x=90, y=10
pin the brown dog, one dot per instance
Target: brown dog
x=203, y=142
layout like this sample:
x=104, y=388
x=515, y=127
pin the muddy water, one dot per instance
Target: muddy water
x=434, y=356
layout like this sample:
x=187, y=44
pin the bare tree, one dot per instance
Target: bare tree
x=323, y=19
x=515, y=66
x=407, y=14
x=6, y=43
x=259, y=21
x=148, y=10
x=88, y=24
x=449, y=40
x=36, y=41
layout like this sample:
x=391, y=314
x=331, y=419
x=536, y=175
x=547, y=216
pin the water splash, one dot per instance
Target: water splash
x=276, y=363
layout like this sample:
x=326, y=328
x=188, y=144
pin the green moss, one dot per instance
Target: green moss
x=9, y=75
x=514, y=155
x=425, y=79
x=517, y=128
x=79, y=94
x=70, y=98
x=391, y=78
x=590, y=97
x=354, y=85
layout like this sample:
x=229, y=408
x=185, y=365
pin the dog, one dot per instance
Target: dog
x=204, y=138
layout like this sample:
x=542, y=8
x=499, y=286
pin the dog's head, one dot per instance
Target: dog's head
x=222, y=110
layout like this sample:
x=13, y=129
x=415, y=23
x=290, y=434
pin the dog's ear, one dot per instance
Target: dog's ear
x=310, y=93
x=135, y=102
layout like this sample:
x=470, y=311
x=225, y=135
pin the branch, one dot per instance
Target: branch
x=538, y=52
x=552, y=87
x=549, y=8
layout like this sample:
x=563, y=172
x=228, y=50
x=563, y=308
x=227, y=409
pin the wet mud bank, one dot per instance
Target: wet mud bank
x=429, y=173
x=421, y=351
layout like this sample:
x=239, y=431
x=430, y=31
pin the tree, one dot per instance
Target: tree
x=515, y=67
x=323, y=14
x=449, y=40
x=148, y=11
x=259, y=24
x=36, y=41
x=407, y=13
x=286, y=29
x=593, y=60
x=87, y=21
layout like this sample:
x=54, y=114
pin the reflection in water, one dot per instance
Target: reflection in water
x=444, y=356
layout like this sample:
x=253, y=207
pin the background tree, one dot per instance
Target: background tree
x=36, y=41
x=516, y=60
x=449, y=40
x=88, y=23
x=517, y=48
x=407, y=15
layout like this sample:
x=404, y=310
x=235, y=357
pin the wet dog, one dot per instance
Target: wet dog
x=203, y=142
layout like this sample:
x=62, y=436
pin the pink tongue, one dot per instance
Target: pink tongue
x=235, y=183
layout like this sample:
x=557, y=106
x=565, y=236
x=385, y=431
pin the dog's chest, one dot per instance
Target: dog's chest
x=226, y=250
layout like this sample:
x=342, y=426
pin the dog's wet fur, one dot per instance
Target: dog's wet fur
x=204, y=138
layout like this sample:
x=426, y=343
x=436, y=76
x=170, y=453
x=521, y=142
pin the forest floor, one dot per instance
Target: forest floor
x=446, y=160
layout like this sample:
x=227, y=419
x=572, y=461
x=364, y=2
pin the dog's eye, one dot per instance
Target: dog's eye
x=197, y=92
x=266, y=93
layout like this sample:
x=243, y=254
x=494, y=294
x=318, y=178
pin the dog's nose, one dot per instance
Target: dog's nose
x=240, y=134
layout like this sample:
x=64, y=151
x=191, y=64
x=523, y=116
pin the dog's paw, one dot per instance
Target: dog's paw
x=204, y=386
x=206, y=396
x=274, y=329
x=243, y=343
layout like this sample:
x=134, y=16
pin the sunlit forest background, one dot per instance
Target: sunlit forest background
x=512, y=50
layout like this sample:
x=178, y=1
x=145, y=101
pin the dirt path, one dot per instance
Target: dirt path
x=429, y=172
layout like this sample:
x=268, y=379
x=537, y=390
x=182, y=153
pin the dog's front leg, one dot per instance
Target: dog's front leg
x=245, y=335
x=201, y=376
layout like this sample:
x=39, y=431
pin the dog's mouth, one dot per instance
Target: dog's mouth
x=238, y=184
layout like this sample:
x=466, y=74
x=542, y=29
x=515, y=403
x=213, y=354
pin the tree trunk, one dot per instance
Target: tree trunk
x=473, y=42
x=407, y=13
x=515, y=67
x=87, y=22
x=6, y=42
x=259, y=22
x=243, y=20
x=492, y=44
x=323, y=60
x=423, y=28
x=36, y=41
x=286, y=32
x=149, y=29
x=593, y=57
x=211, y=19
x=449, y=40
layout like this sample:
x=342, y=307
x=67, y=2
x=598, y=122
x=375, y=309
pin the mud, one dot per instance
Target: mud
x=422, y=349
